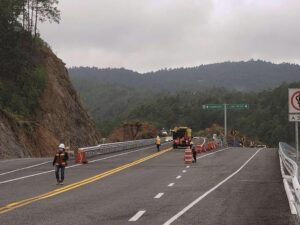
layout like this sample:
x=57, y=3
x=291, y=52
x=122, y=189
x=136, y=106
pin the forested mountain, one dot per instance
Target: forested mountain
x=114, y=96
x=246, y=76
x=266, y=120
x=174, y=96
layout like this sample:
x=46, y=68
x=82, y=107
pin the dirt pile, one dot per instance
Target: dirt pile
x=133, y=131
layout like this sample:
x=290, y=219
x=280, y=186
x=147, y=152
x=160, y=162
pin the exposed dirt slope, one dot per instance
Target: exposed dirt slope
x=60, y=117
x=133, y=131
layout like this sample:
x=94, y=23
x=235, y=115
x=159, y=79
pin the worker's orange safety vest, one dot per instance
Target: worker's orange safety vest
x=158, y=141
x=60, y=159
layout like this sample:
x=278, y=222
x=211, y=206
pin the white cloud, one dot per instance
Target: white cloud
x=151, y=34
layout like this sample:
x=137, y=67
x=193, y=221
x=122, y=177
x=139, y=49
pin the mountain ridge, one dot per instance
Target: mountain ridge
x=112, y=95
x=252, y=75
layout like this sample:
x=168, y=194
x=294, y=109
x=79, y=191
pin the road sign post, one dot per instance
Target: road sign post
x=297, y=138
x=225, y=107
x=225, y=124
x=294, y=113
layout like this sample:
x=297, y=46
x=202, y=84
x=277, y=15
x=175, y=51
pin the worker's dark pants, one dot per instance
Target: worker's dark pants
x=60, y=169
x=195, y=156
x=158, y=147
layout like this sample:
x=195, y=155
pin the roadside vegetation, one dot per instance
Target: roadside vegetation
x=22, y=76
x=112, y=101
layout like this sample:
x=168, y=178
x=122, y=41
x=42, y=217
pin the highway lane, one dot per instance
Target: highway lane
x=15, y=165
x=255, y=195
x=41, y=179
x=13, y=169
x=27, y=188
x=117, y=198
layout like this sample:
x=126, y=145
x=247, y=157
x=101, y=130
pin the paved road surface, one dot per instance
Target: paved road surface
x=234, y=186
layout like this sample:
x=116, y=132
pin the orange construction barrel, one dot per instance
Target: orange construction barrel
x=188, y=157
x=81, y=157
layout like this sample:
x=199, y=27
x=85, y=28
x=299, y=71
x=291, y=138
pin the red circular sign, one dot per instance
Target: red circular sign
x=295, y=100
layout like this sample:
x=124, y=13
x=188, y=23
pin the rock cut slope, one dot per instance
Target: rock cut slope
x=59, y=117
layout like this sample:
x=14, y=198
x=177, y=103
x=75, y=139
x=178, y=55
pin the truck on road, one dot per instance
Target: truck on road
x=182, y=136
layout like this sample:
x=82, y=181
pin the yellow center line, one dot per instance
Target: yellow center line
x=18, y=204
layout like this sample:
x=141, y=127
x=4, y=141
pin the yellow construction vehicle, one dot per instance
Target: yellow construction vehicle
x=182, y=136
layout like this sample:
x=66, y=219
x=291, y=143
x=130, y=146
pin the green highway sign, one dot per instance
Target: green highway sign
x=213, y=106
x=237, y=106
x=228, y=106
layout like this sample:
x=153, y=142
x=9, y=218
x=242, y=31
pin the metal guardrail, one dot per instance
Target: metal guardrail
x=117, y=146
x=289, y=170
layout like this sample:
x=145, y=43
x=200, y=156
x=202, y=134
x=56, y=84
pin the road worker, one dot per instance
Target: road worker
x=194, y=152
x=157, y=143
x=60, y=162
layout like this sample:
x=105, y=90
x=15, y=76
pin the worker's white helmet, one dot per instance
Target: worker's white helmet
x=61, y=146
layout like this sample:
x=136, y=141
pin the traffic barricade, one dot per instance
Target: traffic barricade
x=199, y=148
x=213, y=145
x=81, y=156
x=188, y=157
x=209, y=146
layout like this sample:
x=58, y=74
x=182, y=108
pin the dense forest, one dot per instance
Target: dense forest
x=22, y=77
x=125, y=96
x=265, y=121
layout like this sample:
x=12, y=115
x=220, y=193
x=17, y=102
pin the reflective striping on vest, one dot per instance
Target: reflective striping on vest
x=60, y=159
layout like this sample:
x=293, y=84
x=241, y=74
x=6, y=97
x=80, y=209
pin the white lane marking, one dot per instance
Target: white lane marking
x=159, y=195
x=184, y=210
x=92, y=161
x=24, y=168
x=18, y=159
x=184, y=171
x=178, y=177
x=187, y=167
x=221, y=150
x=21, y=178
x=171, y=185
x=137, y=216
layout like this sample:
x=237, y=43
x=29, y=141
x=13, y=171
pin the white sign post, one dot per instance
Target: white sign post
x=294, y=112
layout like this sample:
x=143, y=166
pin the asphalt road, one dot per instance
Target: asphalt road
x=233, y=186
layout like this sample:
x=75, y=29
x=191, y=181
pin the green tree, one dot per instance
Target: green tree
x=27, y=13
x=34, y=11
x=45, y=10
x=22, y=78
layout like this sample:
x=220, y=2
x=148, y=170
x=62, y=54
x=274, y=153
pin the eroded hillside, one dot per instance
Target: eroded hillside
x=58, y=117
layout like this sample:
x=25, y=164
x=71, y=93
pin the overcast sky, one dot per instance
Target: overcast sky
x=147, y=35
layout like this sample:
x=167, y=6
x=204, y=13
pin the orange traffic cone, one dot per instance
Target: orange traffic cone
x=208, y=146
